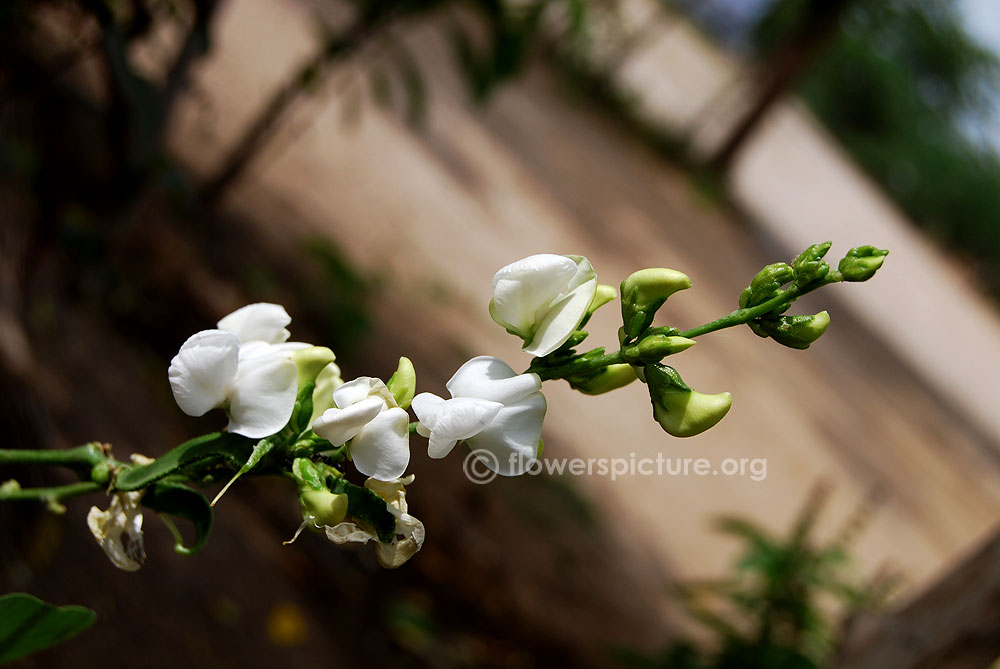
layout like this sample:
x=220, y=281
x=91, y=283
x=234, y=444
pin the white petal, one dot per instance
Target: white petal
x=490, y=378
x=258, y=322
x=523, y=291
x=512, y=438
x=264, y=396
x=339, y=425
x=202, y=372
x=360, y=389
x=458, y=419
x=426, y=406
x=382, y=448
x=562, y=319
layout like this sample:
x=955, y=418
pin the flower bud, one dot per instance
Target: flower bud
x=644, y=292
x=310, y=362
x=685, y=414
x=809, y=266
x=766, y=284
x=610, y=378
x=795, y=331
x=602, y=296
x=322, y=507
x=861, y=263
x=403, y=383
x=327, y=381
x=656, y=347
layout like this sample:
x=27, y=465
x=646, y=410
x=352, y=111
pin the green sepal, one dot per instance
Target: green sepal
x=308, y=474
x=28, y=625
x=303, y=409
x=225, y=447
x=809, y=266
x=364, y=505
x=861, y=263
x=174, y=499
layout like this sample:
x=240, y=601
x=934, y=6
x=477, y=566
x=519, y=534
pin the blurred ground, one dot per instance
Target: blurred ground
x=518, y=572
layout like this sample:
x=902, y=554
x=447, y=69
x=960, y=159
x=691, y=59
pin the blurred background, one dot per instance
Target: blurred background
x=370, y=164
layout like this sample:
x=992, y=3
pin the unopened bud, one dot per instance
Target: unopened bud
x=602, y=296
x=323, y=508
x=795, y=331
x=403, y=383
x=644, y=292
x=685, y=414
x=861, y=263
x=766, y=284
x=809, y=266
x=327, y=381
x=610, y=378
x=310, y=362
x=656, y=347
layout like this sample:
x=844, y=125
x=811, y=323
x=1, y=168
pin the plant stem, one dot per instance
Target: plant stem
x=87, y=456
x=51, y=494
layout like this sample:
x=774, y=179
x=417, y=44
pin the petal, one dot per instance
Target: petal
x=562, y=319
x=523, y=291
x=360, y=389
x=458, y=419
x=426, y=406
x=258, y=322
x=264, y=396
x=490, y=378
x=202, y=372
x=512, y=438
x=339, y=425
x=382, y=448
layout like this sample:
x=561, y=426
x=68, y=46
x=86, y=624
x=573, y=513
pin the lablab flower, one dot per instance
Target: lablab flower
x=498, y=412
x=366, y=414
x=245, y=366
x=543, y=299
x=119, y=530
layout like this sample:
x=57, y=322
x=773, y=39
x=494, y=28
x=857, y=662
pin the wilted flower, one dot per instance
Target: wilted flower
x=494, y=409
x=366, y=414
x=543, y=299
x=119, y=530
x=409, y=535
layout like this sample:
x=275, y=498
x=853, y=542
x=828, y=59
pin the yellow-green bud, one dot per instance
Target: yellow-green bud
x=310, y=362
x=403, y=383
x=687, y=413
x=323, y=508
x=610, y=378
x=796, y=331
x=657, y=347
x=327, y=381
x=602, y=296
x=644, y=292
x=861, y=263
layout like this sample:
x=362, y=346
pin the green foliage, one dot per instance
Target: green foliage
x=28, y=625
x=896, y=87
x=174, y=499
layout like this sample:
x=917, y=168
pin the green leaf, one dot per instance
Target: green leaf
x=365, y=505
x=178, y=500
x=226, y=447
x=28, y=625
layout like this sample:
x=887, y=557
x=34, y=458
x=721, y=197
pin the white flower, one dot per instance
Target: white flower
x=119, y=530
x=245, y=367
x=494, y=409
x=366, y=414
x=409, y=531
x=543, y=298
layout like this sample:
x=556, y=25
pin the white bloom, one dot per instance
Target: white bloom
x=245, y=367
x=366, y=414
x=119, y=530
x=543, y=298
x=409, y=531
x=494, y=409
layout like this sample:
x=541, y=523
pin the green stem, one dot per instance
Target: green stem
x=52, y=494
x=578, y=367
x=87, y=456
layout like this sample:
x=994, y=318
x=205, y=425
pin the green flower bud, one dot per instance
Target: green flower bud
x=307, y=474
x=656, y=347
x=602, y=296
x=610, y=378
x=403, y=383
x=685, y=414
x=861, y=263
x=310, y=362
x=795, y=331
x=322, y=507
x=766, y=284
x=100, y=473
x=809, y=266
x=327, y=381
x=644, y=292
x=681, y=411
